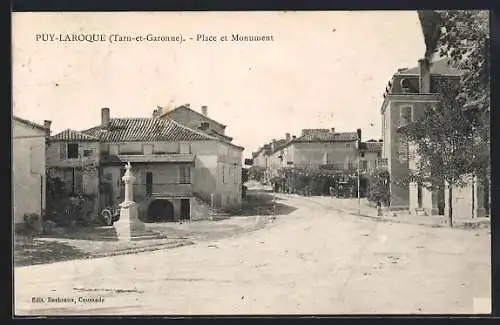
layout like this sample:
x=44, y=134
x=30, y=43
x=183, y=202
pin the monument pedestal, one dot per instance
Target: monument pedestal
x=129, y=226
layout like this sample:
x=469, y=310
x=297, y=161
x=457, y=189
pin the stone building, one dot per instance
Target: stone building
x=180, y=171
x=407, y=94
x=28, y=168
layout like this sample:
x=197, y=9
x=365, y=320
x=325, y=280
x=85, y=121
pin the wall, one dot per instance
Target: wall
x=28, y=170
x=204, y=176
x=57, y=154
x=341, y=154
x=146, y=148
x=229, y=186
x=193, y=120
x=464, y=199
x=371, y=159
x=260, y=160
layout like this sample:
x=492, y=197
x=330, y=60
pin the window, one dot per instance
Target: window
x=72, y=150
x=406, y=113
x=185, y=175
x=348, y=145
x=364, y=164
x=87, y=153
x=149, y=183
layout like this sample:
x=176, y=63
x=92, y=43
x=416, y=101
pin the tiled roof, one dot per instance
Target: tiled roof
x=218, y=135
x=192, y=110
x=319, y=137
x=278, y=145
x=32, y=124
x=439, y=67
x=146, y=130
x=72, y=135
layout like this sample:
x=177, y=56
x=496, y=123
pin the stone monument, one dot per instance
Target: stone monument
x=129, y=225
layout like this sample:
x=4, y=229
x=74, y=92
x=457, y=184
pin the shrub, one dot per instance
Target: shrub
x=378, y=188
x=32, y=223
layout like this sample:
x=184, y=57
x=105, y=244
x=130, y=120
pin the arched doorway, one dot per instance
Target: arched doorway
x=160, y=211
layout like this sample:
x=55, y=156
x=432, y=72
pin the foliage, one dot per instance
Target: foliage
x=256, y=173
x=244, y=175
x=463, y=37
x=65, y=209
x=443, y=142
x=379, y=187
x=32, y=223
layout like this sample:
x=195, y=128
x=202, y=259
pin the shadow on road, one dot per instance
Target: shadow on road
x=262, y=202
x=30, y=251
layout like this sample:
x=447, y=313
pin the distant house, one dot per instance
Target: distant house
x=320, y=148
x=406, y=96
x=179, y=171
x=28, y=167
x=370, y=153
x=73, y=157
x=187, y=116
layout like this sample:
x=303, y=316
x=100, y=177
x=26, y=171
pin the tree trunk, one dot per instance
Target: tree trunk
x=450, y=206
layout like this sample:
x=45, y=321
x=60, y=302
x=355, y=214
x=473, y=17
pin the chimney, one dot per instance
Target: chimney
x=273, y=145
x=187, y=105
x=204, y=110
x=159, y=111
x=47, y=124
x=155, y=113
x=424, y=76
x=105, y=120
x=294, y=137
x=287, y=136
x=332, y=130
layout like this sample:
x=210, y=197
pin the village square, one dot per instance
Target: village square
x=167, y=213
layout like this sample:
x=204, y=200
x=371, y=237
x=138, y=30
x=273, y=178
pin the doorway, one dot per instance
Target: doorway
x=149, y=183
x=185, y=209
x=419, y=195
x=160, y=211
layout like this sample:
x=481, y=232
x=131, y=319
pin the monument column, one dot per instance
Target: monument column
x=129, y=224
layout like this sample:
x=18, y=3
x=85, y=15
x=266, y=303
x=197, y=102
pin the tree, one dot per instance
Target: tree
x=463, y=36
x=379, y=188
x=443, y=143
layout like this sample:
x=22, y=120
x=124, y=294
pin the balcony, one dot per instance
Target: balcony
x=154, y=158
x=163, y=190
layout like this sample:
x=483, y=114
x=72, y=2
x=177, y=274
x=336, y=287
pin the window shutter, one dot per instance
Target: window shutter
x=62, y=151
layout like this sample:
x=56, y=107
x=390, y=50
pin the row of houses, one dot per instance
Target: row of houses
x=318, y=149
x=183, y=161
x=407, y=94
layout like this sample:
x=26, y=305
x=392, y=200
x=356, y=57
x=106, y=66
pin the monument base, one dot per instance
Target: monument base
x=129, y=227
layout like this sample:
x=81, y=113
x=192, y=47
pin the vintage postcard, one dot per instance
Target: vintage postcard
x=251, y=163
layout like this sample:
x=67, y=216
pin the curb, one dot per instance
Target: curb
x=151, y=248
x=459, y=225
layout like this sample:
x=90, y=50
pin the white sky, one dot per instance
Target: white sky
x=323, y=70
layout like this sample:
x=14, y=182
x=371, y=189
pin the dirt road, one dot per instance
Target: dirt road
x=312, y=261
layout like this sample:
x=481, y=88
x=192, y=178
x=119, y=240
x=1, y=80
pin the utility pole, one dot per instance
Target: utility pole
x=358, y=147
x=359, y=195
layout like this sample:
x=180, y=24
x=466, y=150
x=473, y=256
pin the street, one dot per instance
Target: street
x=314, y=260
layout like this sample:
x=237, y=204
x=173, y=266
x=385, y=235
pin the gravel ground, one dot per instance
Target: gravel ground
x=314, y=260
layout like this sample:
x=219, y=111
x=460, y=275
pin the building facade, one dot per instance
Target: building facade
x=180, y=172
x=28, y=168
x=408, y=94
